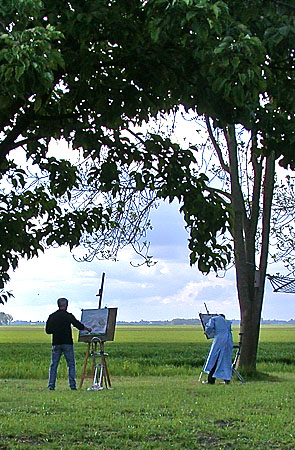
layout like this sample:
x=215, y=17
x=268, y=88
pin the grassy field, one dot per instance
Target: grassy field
x=156, y=401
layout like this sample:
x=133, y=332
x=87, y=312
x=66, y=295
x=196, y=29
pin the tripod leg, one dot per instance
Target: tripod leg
x=94, y=350
x=97, y=382
x=95, y=376
x=104, y=373
x=200, y=377
x=101, y=375
x=239, y=376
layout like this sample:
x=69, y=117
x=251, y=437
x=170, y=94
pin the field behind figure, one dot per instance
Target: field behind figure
x=155, y=401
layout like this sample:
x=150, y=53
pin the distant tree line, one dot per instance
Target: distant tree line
x=198, y=322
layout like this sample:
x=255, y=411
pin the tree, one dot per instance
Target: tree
x=248, y=185
x=5, y=319
x=241, y=68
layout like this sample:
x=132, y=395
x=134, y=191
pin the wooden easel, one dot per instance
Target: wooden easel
x=83, y=375
x=98, y=368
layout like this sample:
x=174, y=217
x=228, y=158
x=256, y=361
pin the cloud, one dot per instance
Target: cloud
x=87, y=273
x=190, y=293
x=168, y=290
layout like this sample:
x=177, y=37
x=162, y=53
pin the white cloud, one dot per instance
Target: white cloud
x=87, y=273
x=190, y=293
x=168, y=290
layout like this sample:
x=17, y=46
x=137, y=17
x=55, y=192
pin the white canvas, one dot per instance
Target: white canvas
x=96, y=319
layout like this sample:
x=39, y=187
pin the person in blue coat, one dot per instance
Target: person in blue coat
x=219, y=360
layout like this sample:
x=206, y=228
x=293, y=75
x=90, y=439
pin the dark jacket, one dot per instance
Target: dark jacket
x=59, y=325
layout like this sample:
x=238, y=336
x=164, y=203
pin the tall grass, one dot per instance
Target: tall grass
x=138, y=351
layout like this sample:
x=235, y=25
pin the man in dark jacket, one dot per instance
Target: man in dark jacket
x=59, y=325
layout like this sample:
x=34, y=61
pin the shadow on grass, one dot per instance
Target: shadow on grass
x=260, y=376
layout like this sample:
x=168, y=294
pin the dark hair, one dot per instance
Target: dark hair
x=62, y=302
x=222, y=315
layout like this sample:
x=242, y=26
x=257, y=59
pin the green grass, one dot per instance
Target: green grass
x=156, y=401
x=149, y=413
x=138, y=351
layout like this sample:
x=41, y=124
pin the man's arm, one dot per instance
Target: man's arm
x=49, y=326
x=79, y=325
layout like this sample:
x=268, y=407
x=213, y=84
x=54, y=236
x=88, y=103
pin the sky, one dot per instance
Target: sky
x=169, y=289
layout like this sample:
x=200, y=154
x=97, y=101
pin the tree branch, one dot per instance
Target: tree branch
x=216, y=146
x=9, y=143
x=238, y=204
x=267, y=203
x=58, y=117
x=220, y=192
x=257, y=169
x=279, y=2
x=23, y=142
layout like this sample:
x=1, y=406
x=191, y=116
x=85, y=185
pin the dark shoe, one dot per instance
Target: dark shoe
x=51, y=389
x=73, y=389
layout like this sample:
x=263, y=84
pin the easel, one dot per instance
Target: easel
x=235, y=361
x=83, y=375
x=98, y=368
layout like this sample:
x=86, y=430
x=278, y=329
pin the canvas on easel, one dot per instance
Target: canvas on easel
x=101, y=321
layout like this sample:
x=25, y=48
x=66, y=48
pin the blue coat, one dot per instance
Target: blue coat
x=221, y=348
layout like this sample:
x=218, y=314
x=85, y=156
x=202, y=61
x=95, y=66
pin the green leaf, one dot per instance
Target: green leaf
x=242, y=78
x=19, y=71
x=235, y=62
x=216, y=10
x=37, y=104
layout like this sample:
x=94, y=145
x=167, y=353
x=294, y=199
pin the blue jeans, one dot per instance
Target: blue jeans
x=57, y=351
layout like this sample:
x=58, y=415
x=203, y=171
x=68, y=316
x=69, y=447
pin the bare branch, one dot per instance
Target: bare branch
x=216, y=146
x=257, y=169
x=220, y=192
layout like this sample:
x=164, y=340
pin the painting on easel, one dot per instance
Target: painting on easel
x=101, y=321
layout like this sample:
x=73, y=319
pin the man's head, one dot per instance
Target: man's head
x=222, y=315
x=62, y=303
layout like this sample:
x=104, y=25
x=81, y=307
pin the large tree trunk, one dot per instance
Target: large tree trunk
x=249, y=328
x=250, y=267
x=251, y=304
